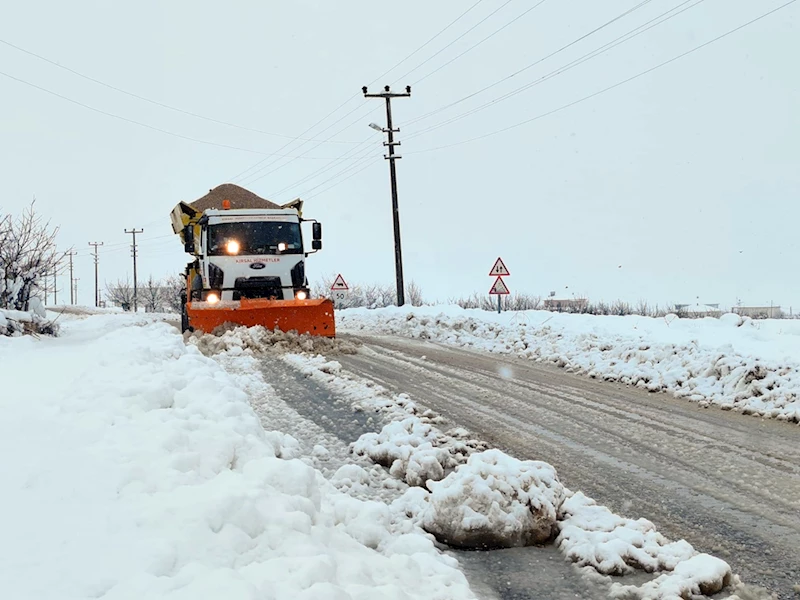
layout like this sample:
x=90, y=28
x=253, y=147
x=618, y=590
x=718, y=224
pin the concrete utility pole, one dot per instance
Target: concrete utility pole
x=388, y=94
x=71, y=253
x=96, y=261
x=134, y=253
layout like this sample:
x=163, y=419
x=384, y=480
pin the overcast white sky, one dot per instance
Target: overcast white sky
x=679, y=185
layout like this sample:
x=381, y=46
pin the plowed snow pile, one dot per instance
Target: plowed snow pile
x=495, y=501
x=736, y=363
x=136, y=468
x=492, y=500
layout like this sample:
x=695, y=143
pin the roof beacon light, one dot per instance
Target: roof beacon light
x=226, y=204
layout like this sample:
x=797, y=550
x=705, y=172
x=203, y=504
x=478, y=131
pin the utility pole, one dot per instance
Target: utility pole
x=71, y=253
x=388, y=94
x=134, y=253
x=75, y=284
x=96, y=261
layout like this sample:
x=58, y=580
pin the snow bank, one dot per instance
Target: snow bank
x=494, y=501
x=410, y=444
x=16, y=322
x=141, y=471
x=700, y=575
x=591, y=535
x=737, y=364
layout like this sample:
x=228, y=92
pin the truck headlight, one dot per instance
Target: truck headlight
x=232, y=247
x=301, y=295
x=212, y=298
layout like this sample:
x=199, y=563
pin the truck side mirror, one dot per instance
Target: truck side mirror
x=316, y=244
x=188, y=239
x=316, y=229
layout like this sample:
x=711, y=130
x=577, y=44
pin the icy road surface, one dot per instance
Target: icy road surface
x=727, y=483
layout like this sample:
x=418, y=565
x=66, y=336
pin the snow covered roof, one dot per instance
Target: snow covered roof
x=699, y=309
x=238, y=197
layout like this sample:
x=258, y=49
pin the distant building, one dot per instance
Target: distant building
x=566, y=305
x=759, y=312
x=697, y=311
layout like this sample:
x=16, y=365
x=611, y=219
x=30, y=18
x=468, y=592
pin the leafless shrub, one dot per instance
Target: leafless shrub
x=414, y=294
x=27, y=255
x=368, y=295
x=120, y=293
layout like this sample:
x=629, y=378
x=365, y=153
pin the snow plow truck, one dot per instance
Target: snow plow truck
x=249, y=265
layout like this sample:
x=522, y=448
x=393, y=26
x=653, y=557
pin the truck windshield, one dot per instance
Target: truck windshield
x=258, y=237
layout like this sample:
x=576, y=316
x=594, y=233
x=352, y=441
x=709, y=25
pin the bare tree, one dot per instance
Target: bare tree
x=120, y=293
x=27, y=255
x=152, y=295
x=174, y=286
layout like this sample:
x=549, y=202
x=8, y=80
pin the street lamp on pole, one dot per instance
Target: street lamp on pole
x=388, y=94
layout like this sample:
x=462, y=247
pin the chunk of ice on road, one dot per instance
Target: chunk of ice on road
x=413, y=450
x=700, y=575
x=591, y=535
x=494, y=501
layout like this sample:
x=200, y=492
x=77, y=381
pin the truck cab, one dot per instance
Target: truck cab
x=249, y=253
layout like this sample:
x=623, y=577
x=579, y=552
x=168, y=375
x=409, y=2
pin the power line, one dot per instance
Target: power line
x=491, y=35
x=353, y=174
x=437, y=53
x=156, y=102
x=611, y=87
x=153, y=127
x=533, y=64
x=260, y=174
x=324, y=169
x=564, y=68
x=355, y=166
x=343, y=104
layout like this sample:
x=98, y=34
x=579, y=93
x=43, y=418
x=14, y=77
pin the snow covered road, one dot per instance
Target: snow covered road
x=729, y=485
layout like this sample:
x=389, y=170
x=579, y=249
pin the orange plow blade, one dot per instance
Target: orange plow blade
x=314, y=317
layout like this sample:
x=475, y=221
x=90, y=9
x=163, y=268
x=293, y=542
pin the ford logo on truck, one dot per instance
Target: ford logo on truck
x=257, y=265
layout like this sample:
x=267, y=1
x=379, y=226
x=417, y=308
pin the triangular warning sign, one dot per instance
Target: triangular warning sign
x=339, y=284
x=499, y=269
x=499, y=288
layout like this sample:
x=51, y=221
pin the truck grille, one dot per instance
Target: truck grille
x=257, y=287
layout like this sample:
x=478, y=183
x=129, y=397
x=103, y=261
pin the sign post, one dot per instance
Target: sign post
x=339, y=290
x=499, y=288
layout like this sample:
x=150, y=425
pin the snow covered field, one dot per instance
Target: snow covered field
x=738, y=364
x=135, y=467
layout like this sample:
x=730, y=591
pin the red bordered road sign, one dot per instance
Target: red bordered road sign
x=499, y=288
x=499, y=269
x=339, y=284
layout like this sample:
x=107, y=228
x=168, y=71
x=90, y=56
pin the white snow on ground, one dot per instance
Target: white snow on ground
x=136, y=468
x=495, y=501
x=738, y=364
x=498, y=501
